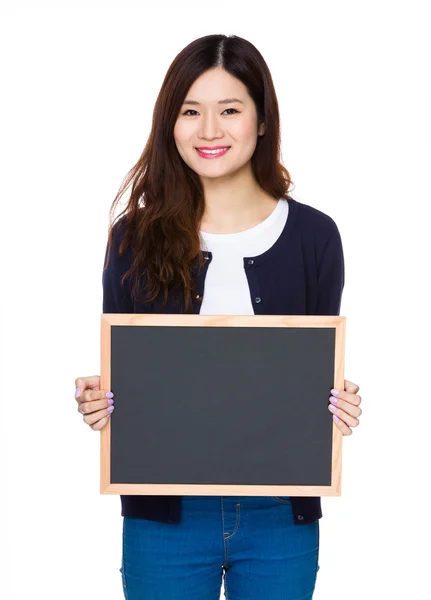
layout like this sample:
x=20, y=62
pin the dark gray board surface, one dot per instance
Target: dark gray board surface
x=222, y=405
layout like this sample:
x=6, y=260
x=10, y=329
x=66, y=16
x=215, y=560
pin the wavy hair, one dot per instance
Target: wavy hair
x=167, y=202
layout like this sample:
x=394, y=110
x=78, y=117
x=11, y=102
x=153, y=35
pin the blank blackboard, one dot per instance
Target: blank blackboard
x=221, y=405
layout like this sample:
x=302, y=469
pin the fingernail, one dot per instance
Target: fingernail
x=77, y=392
x=335, y=392
x=110, y=408
x=110, y=401
x=333, y=408
x=333, y=400
x=109, y=395
x=336, y=419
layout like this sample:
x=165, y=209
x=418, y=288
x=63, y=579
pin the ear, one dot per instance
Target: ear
x=261, y=129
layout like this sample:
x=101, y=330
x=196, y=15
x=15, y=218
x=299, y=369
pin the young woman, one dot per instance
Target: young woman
x=210, y=228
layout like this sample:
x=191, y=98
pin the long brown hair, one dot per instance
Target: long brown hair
x=166, y=202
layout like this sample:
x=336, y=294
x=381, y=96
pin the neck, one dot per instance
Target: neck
x=234, y=203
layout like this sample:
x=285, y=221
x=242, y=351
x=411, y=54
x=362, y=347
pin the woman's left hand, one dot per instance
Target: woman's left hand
x=344, y=405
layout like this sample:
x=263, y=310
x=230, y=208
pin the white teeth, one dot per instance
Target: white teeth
x=212, y=151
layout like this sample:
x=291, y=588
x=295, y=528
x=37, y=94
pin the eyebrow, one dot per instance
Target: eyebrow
x=226, y=101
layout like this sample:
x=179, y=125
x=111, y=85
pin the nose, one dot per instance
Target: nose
x=209, y=127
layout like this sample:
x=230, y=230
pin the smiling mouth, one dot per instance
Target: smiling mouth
x=213, y=153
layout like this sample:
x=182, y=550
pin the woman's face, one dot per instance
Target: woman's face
x=204, y=121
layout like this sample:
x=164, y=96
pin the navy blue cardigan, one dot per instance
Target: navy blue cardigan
x=301, y=274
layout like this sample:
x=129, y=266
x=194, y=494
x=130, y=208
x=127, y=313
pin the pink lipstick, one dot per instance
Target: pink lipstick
x=216, y=151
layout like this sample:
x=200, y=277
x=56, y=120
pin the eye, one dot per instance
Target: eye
x=190, y=109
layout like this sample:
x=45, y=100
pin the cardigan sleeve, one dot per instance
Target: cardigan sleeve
x=330, y=277
x=117, y=296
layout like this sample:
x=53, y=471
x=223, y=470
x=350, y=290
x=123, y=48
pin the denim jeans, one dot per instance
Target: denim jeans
x=249, y=542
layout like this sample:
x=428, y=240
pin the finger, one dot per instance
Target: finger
x=83, y=383
x=86, y=408
x=348, y=407
x=347, y=396
x=341, y=414
x=345, y=430
x=100, y=424
x=350, y=387
x=92, y=418
x=93, y=395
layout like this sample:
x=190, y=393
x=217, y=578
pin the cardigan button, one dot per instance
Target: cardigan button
x=300, y=518
x=251, y=261
x=257, y=300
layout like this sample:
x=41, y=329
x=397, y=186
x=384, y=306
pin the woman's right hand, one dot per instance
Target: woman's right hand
x=96, y=405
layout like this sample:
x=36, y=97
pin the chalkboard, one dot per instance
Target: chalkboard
x=221, y=405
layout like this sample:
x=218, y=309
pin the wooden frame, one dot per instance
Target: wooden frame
x=111, y=320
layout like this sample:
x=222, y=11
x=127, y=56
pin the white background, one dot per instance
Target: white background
x=78, y=85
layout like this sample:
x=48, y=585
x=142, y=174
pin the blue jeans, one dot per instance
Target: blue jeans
x=251, y=542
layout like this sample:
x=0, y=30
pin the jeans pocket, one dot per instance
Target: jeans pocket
x=282, y=499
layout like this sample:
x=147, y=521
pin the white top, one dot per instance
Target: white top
x=226, y=287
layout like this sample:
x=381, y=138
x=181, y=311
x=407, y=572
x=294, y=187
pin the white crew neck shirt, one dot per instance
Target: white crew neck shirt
x=226, y=286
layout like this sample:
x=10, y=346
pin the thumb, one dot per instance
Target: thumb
x=350, y=387
x=86, y=383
